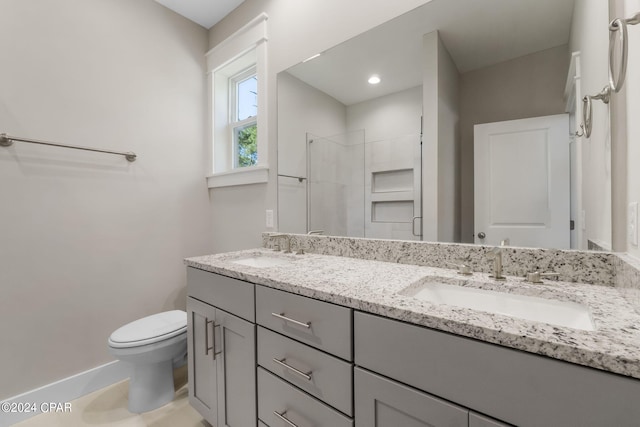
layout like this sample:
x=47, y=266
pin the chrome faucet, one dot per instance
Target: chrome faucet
x=285, y=236
x=496, y=255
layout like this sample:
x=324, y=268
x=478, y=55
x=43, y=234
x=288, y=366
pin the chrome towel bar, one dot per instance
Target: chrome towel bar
x=7, y=141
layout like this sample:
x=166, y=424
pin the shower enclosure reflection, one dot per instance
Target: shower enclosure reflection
x=364, y=189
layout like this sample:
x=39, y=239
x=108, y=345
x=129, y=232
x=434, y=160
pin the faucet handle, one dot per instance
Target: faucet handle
x=463, y=268
x=536, y=276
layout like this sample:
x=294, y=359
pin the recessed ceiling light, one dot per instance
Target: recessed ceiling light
x=374, y=80
x=311, y=57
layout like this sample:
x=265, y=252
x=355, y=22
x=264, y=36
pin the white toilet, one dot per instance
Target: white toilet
x=153, y=345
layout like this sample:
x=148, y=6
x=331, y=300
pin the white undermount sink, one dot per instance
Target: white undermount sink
x=555, y=312
x=262, y=261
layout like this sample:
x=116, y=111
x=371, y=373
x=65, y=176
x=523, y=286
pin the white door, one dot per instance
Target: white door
x=521, y=175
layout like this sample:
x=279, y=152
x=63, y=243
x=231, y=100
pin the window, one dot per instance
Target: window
x=243, y=104
x=237, y=76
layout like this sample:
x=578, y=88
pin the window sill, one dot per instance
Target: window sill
x=244, y=176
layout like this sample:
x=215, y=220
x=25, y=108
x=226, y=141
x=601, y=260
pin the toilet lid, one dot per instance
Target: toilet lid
x=150, y=329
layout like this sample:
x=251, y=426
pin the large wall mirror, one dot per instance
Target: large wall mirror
x=455, y=122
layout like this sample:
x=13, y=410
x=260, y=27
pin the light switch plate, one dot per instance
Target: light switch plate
x=632, y=222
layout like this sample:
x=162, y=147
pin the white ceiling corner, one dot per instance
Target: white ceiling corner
x=206, y=13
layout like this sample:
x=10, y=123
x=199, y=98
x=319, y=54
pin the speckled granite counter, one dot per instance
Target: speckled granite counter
x=374, y=286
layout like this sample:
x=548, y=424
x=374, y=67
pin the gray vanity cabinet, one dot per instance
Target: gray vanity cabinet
x=380, y=402
x=221, y=352
x=202, y=367
x=520, y=388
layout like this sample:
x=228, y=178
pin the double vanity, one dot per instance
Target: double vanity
x=360, y=332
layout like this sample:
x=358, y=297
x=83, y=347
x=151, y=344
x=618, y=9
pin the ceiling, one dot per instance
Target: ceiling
x=206, y=13
x=477, y=33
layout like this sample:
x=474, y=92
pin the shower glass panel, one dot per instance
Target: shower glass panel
x=359, y=189
x=336, y=182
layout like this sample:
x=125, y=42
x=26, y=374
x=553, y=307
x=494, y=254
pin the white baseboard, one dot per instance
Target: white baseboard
x=63, y=391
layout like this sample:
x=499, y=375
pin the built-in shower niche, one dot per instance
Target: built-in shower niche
x=392, y=200
x=393, y=211
x=392, y=196
x=392, y=181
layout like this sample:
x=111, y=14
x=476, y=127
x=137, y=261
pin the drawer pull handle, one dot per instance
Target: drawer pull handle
x=288, y=319
x=215, y=351
x=305, y=375
x=283, y=418
x=207, y=349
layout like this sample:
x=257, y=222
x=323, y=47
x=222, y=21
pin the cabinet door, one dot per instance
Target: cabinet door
x=380, y=402
x=477, y=420
x=236, y=366
x=202, y=370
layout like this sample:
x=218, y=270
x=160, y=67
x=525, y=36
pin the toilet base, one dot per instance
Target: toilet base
x=151, y=386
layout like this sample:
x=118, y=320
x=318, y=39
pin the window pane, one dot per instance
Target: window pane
x=247, y=98
x=246, y=143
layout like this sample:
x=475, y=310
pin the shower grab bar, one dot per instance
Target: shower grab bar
x=619, y=25
x=7, y=141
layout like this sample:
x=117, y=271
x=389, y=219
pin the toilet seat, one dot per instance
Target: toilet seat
x=150, y=329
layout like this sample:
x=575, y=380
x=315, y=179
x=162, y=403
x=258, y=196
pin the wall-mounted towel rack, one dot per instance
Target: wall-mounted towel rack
x=587, y=113
x=616, y=80
x=299, y=178
x=619, y=26
x=7, y=141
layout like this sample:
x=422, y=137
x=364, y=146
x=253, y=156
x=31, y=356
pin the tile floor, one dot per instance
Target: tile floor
x=108, y=407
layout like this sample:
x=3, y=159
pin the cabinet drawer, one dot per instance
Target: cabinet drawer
x=277, y=396
x=520, y=388
x=319, y=324
x=329, y=377
x=231, y=295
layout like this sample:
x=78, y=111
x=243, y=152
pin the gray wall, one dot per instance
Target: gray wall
x=89, y=241
x=448, y=147
x=441, y=144
x=528, y=86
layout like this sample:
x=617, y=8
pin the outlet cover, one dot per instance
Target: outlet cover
x=269, y=218
x=632, y=221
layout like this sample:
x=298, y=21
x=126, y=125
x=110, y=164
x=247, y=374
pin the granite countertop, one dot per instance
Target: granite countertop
x=377, y=287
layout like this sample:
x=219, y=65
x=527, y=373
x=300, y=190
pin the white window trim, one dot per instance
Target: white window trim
x=252, y=36
x=243, y=176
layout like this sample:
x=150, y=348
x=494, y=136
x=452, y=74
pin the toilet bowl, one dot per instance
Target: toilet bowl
x=153, y=346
